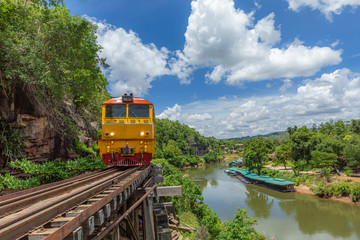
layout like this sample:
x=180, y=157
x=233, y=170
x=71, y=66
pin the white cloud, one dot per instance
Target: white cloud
x=197, y=117
x=287, y=84
x=173, y=113
x=332, y=96
x=327, y=7
x=240, y=49
x=133, y=64
x=334, y=44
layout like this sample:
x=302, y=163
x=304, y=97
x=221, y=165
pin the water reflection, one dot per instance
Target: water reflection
x=213, y=182
x=314, y=215
x=282, y=215
x=259, y=203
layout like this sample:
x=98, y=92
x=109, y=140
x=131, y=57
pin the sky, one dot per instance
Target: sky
x=233, y=68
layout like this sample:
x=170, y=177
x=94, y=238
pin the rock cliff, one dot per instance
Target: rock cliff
x=44, y=126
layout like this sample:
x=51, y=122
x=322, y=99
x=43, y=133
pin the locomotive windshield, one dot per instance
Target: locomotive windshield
x=115, y=111
x=136, y=110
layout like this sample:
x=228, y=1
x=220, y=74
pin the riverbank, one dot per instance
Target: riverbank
x=202, y=164
x=305, y=189
x=280, y=215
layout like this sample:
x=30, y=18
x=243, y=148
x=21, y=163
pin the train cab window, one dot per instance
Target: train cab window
x=139, y=111
x=115, y=111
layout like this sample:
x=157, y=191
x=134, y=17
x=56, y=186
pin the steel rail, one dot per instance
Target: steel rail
x=22, y=201
x=119, y=219
x=16, y=225
x=70, y=226
x=39, y=188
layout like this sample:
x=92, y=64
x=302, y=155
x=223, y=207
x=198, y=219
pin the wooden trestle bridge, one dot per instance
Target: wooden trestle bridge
x=107, y=204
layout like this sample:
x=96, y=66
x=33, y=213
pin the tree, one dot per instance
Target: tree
x=283, y=153
x=302, y=142
x=352, y=155
x=255, y=153
x=325, y=161
x=211, y=156
x=355, y=126
x=292, y=130
x=240, y=227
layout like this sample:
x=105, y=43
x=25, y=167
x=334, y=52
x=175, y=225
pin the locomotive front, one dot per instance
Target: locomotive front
x=128, y=131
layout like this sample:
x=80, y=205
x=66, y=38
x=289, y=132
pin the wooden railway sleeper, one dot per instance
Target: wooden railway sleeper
x=110, y=203
x=8, y=230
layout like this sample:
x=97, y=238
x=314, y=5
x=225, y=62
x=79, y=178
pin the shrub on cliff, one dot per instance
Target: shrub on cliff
x=11, y=142
x=49, y=61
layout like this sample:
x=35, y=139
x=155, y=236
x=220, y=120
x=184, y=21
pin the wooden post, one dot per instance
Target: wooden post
x=149, y=219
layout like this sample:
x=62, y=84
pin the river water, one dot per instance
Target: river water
x=279, y=215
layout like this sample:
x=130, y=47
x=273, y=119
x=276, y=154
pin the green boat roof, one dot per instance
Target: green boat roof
x=267, y=179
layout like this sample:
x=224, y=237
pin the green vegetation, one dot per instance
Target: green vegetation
x=207, y=222
x=240, y=227
x=46, y=54
x=275, y=137
x=178, y=144
x=51, y=51
x=337, y=189
x=255, y=153
x=47, y=172
x=11, y=141
x=326, y=148
x=329, y=146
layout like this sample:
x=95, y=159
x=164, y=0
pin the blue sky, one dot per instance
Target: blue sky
x=233, y=68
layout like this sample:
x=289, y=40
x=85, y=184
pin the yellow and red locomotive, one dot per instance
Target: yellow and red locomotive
x=128, y=131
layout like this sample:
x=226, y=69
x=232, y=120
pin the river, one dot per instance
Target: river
x=279, y=215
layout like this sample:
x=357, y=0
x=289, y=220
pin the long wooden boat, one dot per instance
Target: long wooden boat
x=265, y=181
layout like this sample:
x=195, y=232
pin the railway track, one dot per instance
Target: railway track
x=73, y=201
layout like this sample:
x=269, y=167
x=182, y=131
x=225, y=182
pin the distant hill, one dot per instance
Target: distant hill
x=272, y=136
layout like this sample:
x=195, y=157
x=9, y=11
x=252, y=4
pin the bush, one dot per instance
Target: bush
x=355, y=192
x=342, y=188
x=12, y=182
x=49, y=171
x=82, y=148
x=322, y=189
x=240, y=227
x=11, y=141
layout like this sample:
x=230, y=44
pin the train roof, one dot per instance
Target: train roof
x=119, y=100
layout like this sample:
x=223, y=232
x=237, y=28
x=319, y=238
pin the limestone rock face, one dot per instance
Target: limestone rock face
x=44, y=127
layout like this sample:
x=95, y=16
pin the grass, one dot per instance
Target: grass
x=190, y=219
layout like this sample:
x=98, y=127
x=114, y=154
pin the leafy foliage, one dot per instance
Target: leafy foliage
x=12, y=182
x=328, y=146
x=255, y=153
x=240, y=227
x=355, y=193
x=11, y=141
x=50, y=53
x=177, y=143
x=51, y=50
x=48, y=172
x=192, y=201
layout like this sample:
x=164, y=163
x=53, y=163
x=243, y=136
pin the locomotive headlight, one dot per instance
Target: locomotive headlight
x=142, y=133
x=111, y=134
